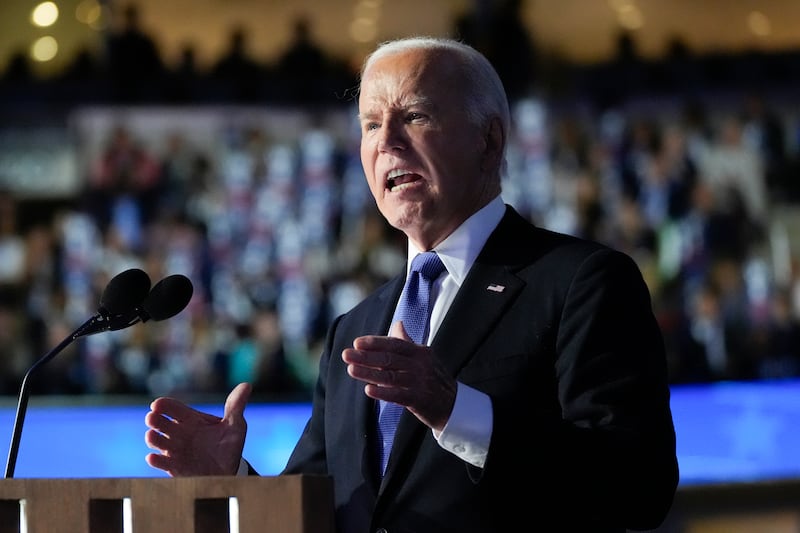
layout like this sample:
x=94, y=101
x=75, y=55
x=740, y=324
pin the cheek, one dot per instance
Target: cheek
x=453, y=160
x=368, y=162
x=365, y=153
x=368, y=165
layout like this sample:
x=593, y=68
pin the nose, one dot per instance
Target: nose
x=392, y=137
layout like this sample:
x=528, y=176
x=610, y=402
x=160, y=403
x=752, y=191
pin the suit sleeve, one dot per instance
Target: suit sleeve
x=610, y=451
x=308, y=455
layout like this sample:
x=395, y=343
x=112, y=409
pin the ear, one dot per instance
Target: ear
x=495, y=141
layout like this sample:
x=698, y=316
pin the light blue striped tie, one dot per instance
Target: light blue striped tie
x=414, y=310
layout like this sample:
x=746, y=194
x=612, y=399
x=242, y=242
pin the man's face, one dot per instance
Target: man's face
x=422, y=156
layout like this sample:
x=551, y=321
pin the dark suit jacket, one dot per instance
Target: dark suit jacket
x=573, y=360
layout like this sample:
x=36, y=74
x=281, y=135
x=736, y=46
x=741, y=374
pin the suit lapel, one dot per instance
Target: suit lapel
x=457, y=339
x=490, y=287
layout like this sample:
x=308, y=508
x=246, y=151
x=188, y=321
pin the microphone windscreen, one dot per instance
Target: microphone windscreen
x=169, y=297
x=125, y=291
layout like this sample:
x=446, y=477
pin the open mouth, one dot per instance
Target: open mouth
x=398, y=178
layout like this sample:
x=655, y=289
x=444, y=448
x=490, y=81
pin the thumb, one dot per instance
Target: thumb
x=398, y=331
x=237, y=400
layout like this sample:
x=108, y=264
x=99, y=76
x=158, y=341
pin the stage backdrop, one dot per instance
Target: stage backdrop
x=727, y=432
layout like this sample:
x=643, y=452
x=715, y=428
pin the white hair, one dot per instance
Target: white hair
x=484, y=94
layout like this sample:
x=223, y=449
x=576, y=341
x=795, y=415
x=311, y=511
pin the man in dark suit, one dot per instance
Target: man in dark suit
x=539, y=398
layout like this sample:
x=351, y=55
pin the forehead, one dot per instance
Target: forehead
x=406, y=78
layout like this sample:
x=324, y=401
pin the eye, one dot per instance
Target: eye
x=369, y=126
x=414, y=116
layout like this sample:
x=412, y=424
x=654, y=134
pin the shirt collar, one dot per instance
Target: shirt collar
x=460, y=249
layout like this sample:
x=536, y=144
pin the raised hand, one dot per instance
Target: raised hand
x=397, y=370
x=193, y=443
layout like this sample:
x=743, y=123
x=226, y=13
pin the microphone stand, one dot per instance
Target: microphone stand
x=167, y=298
x=88, y=327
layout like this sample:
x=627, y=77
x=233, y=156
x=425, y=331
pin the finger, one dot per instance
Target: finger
x=237, y=401
x=383, y=377
x=398, y=331
x=161, y=462
x=157, y=441
x=397, y=343
x=159, y=422
x=396, y=395
x=367, y=358
x=369, y=374
x=173, y=408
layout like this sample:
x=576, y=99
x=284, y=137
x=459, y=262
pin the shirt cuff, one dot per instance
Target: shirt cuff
x=244, y=468
x=468, y=432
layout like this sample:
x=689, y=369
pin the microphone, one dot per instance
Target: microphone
x=167, y=298
x=123, y=293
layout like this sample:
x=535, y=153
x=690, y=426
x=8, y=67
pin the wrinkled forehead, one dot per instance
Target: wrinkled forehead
x=404, y=78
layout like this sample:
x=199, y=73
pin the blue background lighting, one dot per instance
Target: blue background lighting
x=727, y=432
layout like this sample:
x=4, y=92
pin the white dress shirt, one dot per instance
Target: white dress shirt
x=469, y=429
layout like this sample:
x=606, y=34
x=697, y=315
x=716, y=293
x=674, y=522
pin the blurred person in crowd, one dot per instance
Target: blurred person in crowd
x=133, y=60
x=667, y=177
x=12, y=243
x=185, y=81
x=43, y=291
x=695, y=123
x=237, y=75
x=303, y=65
x=590, y=214
x=124, y=185
x=15, y=355
x=67, y=373
x=640, y=139
x=628, y=230
x=19, y=82
x=704, y=234
x=18, y=69
x=179, y=165
x=764, y=130
x=778, y=339
x=686, y=358
x=82, y=78
x=259, y=358
x=531, y=331
x=735, y=172
x=680, y=68
x=721, y=330
x=497, y=29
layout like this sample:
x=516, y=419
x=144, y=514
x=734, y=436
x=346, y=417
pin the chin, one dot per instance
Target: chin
x=405, y=216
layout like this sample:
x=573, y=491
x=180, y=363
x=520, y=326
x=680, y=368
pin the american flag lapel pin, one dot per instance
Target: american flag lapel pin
x=494, y=287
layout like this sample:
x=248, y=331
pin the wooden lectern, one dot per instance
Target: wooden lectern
x=212, y=504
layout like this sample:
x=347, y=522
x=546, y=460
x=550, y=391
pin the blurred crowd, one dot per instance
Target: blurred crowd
x=129, y=68
x=280, y=237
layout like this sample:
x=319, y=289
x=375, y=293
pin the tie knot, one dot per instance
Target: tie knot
x=428, y=265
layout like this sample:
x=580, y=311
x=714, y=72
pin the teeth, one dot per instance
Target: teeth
x=396, y=172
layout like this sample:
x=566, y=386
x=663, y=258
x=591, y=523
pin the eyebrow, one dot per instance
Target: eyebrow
x=422, y=101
